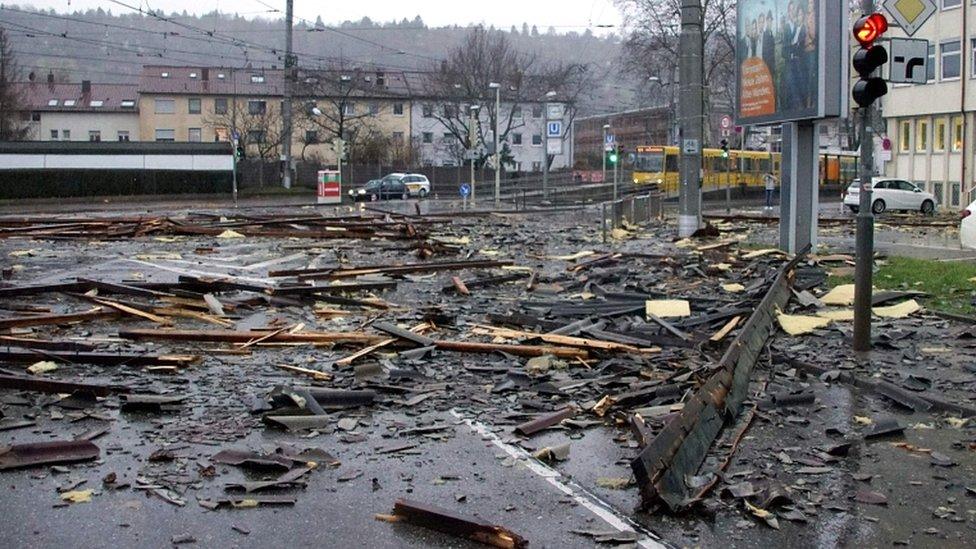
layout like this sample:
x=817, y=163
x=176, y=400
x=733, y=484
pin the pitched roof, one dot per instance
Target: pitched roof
x=161, y=79
x=46, y=97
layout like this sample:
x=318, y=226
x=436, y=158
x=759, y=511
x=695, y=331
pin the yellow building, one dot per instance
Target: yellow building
x=370, y=110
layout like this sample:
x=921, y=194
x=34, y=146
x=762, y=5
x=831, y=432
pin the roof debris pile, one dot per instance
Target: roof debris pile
x=238, y=361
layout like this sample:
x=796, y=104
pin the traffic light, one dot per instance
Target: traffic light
x=240, y=152
x=612, y=156
x=869, y=58
x=339, y=147
x=725, y=148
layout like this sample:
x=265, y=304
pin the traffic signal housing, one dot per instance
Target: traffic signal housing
x=612, y=156
x=725, y=148
x=869, y=59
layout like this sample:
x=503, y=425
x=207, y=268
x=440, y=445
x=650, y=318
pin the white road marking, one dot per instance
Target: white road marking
x=579, y=494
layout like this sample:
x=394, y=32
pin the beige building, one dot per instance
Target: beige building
x=931, y=126
x=212, y=104
x=80, y=112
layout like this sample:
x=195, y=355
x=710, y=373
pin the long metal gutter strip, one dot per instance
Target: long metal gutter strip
x=679, y=450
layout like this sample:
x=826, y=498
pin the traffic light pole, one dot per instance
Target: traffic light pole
x=616, y=155
x=690, y=119
x=864, y=245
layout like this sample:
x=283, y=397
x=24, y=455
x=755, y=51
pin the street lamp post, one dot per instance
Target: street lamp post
x=603, y=152
x=471, y=145
x=498, y=153
x=545, y=145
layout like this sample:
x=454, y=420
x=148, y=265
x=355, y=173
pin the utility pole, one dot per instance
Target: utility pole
x=690, y=118
x=616, y=181
x=545, y=149
x=864, y=242
x=286, y=105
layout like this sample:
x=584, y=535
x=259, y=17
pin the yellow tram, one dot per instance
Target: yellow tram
x=658, y=165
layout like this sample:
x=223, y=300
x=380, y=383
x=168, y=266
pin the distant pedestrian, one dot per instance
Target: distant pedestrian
x=770, y=181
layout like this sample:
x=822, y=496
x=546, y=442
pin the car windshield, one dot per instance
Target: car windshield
x=391, y=178
x=374, y=184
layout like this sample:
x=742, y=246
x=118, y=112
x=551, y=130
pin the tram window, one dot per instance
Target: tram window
x=671, y=163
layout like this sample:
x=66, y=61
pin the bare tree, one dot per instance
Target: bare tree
x=462, y=81
x=336, y=105
x=258, y=125
x=12, y=103
x=652, y=48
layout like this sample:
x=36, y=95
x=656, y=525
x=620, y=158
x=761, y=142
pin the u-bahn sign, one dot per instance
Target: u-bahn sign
x=791, y=61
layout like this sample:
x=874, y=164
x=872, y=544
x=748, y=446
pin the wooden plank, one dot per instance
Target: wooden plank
x=517, y=350
x=56, y=320
x=232, y=336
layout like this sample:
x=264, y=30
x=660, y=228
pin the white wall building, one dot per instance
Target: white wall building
x=81, y=112
x=931, y=126
x=439, y=146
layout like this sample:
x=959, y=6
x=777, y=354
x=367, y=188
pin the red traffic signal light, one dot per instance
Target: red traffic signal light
x=869, y=28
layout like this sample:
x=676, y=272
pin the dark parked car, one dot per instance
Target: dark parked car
x=381, y=189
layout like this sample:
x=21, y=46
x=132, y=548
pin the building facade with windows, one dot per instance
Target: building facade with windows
x=208, y=104
x=932, y=127
x=440, y=132
x=80, y=112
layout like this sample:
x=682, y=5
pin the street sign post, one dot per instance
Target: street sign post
x=554, y=129
x=465, y=191
x=909, y=59
x=690, y=146
x=910, y=14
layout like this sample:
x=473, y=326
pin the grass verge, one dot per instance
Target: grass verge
x=947, y=283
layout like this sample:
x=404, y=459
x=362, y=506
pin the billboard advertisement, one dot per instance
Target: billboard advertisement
x=790, y=61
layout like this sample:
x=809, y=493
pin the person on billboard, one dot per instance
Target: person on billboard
x=768, y=41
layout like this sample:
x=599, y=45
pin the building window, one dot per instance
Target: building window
x=165, y=135
x=193, y=105
x=220, y=105
x=128, y=104
x=950, y=60
x=194, y=135
x=957, y=134
x=374, y=108
x=905, y=143
x=448, y=137
x=257, y=79
x=922, y=136
x=536, y=166
x=311, y=136
x=939, y=139
x=165, y=106
x=398, y=138
x=96, y=103
x=428, y=137
x=516, y=139
x=123, y=135
x=517, y=112
x=66, y=135
x=930, y=69
x=955, y=192
x=398, y=109
x=946, y=4
x=69, y=102
x=255, y=136
x=35, y=117
x=536, y=111
x=52, y=103
x=349, y=109
x=54, y=135
x=537, y=140
x=428, y=110
x=256, y=106
x=94, y=135
x=450, y=111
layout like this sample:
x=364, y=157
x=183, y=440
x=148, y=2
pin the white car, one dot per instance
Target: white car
x=891, y=194
x=417, y=184
x=967, y=227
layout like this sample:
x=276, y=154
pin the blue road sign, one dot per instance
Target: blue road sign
x=465, y=190
x=610, y=139
x=555, y=128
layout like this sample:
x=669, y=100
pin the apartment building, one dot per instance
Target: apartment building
x=930, y=126
x=81, y=111
x=196, y=104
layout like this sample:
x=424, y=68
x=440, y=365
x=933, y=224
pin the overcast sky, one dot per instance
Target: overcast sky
x=565, y=15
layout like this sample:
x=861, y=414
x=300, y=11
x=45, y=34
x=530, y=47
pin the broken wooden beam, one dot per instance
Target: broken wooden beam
x=55, y=319
x=517, y=350
x=27, y=356
x=401, y=333
x=50, y=386
x=449, y=522
x=406, y=269
x=232, y=336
